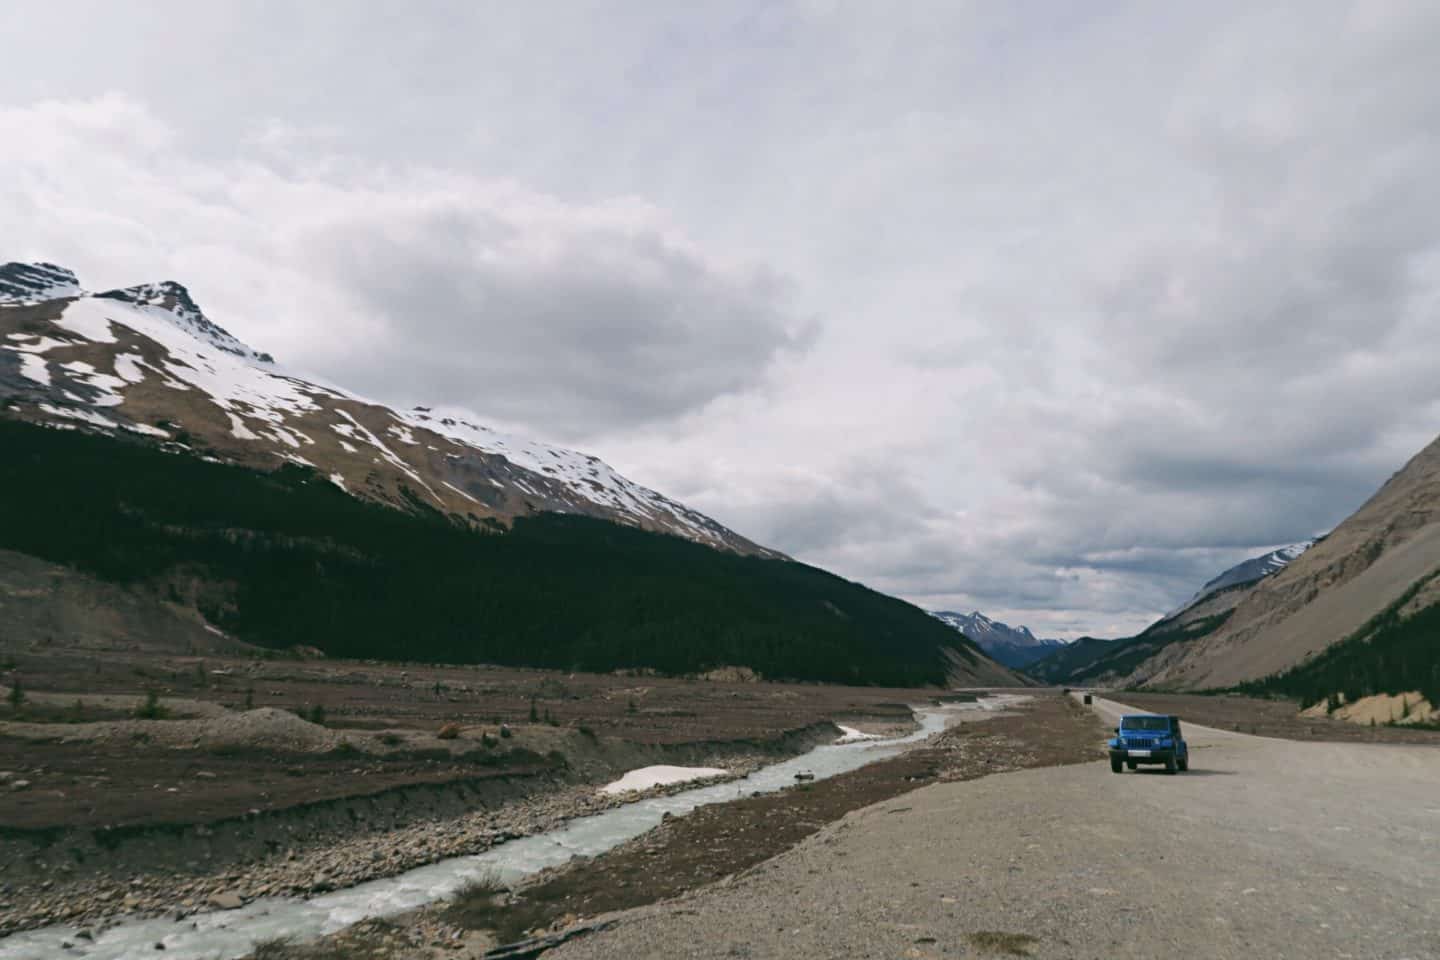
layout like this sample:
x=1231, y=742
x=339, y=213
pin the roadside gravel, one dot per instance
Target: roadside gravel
x=1267, y=848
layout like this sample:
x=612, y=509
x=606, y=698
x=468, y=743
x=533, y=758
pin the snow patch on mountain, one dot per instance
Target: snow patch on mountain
x=1012, y=646
x=1247, y=571
x=156, y=332
x=184, y=313
x=589, y=476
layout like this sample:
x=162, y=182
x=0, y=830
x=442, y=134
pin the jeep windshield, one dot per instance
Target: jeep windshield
x=1145, y=723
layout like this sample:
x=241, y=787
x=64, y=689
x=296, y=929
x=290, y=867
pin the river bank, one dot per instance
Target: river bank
x=712, y=845
x=234, y=929
x=244, y=778
x=177, y=870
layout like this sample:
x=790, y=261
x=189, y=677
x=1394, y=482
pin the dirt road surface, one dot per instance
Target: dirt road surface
x=1266, y=848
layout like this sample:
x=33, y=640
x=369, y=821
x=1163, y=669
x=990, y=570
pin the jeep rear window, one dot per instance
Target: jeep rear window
x=1145, y=723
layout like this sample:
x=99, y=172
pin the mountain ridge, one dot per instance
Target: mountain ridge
x=135, y=360
x=1349, y=614
x=1015, y=647
x=288, y=512
x=1387, y=547
x=1246, y=572
x=1095, y=659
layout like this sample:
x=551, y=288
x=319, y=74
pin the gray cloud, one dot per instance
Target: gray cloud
x=568, y=320
x=1104, y=300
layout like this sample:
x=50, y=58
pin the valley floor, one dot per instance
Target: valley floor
x=956, y=847
x=718, y=845
x=227, y=795
x=1267, y=848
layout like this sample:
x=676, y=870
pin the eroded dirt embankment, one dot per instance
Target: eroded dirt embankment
x=713, y=845
x=84, y=872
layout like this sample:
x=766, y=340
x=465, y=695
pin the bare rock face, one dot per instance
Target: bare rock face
x=146, y=361
x=35, y=282
x=1367, y=563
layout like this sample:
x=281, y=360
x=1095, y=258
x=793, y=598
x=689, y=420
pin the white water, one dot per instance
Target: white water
x=227, y=934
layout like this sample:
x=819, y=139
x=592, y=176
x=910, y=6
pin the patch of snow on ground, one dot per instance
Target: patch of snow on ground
x=107, y=386
x=338, y=480
x=35, y=368
x=84, y=415
x=402, y=433
x=146, y=430
x=37, y=344
x=286, y=436
x=851, y=735
x=647, y=777
x=128, y=368
x=90, y=318
x=459, y=491
x=238, y=428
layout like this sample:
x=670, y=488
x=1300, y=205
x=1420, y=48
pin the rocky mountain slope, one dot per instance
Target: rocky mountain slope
x=1092, y=660
x=1352, y=614
x=1243, y=574
x=1012, y=646
x=146, y=361
x=149, y=450
x=1386, y=552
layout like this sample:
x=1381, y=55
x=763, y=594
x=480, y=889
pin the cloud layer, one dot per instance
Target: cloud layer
x=424, y=286
x=1047, y=311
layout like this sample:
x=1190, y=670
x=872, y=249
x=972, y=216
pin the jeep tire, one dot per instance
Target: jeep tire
x=1114, y=764
x=1131, y=764
x=1170, y=764
x=1184, y=764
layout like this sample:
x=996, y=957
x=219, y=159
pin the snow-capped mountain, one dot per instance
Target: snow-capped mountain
x=145, y=361
x=1012, y=646
x=1247, y=571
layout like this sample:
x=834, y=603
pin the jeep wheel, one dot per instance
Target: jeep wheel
x=1114, y=765
x=1131, y=764
x=1184, y=764
x=1170, y=765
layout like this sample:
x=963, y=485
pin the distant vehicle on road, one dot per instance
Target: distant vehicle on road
x=1149, y=738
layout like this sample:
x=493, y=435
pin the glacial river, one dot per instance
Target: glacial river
x=228, y=934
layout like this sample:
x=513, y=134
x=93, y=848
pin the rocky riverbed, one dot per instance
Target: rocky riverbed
x=311, y=867
x=711, y=847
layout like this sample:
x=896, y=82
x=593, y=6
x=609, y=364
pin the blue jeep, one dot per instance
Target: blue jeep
x=1149, y=738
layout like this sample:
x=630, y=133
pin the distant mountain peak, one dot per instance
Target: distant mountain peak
x=36, y=282
x=83, y=360
x=175, y=299
x=1012, y=646
x=1247, y=571
x=40, y=282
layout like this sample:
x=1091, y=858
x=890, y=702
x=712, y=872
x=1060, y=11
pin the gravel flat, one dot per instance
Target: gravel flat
x=1267, y=848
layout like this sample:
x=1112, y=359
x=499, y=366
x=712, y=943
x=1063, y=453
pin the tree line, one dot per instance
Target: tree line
x=284, y=558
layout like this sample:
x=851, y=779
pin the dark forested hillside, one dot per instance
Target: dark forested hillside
x=286, y=558
x=1091, y=660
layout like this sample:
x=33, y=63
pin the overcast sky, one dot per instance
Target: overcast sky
x=1052, y=310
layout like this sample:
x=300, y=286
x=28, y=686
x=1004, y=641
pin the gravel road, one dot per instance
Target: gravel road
x=1266, y=848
